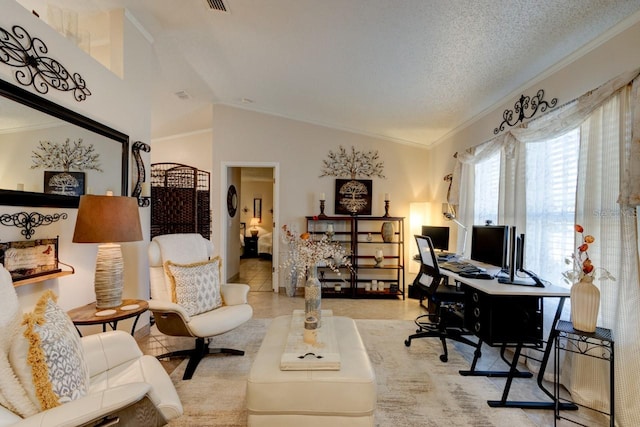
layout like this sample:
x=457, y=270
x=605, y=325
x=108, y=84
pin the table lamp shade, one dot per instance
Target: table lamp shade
x=108, y=220
x=254, y=224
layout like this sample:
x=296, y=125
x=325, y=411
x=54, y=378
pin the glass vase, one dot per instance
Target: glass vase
x=292, y=283
x=313, y=295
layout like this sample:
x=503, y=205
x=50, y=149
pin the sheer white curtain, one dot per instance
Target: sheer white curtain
x=609, y=172
x=605, y=141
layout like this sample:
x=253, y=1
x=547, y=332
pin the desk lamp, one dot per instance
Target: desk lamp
x=449, y=215
x=254, y=226
x=108, y=220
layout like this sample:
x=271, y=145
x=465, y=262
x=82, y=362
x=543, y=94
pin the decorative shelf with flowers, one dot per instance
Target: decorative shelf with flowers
x=585, y=296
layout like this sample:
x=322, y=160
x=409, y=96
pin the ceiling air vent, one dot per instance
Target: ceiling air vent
x=183, y=94
x=218, y=5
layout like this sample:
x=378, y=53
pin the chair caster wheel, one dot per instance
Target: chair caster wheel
x=444, y=358
x=407, y=342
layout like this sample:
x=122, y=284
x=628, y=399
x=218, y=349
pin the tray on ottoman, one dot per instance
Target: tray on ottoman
x=324, y=355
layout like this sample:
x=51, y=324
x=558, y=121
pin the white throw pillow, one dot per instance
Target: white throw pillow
x=49, y=358
x=196, y=287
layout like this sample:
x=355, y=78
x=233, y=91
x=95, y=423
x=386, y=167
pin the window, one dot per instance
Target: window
x=487, y=187
x=551, y=177
x=550, y=187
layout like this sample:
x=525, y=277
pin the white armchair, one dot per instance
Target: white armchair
x=123, y=384
x=189, y=257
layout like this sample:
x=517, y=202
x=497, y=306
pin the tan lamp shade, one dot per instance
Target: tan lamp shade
x=108, y=220
x=254, y=224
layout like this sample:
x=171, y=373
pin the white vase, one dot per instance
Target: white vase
x=585, y=303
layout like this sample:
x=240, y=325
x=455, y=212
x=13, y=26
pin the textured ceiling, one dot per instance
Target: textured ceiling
x=409, y=71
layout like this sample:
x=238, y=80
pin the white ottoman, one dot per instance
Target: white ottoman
x=311, y=398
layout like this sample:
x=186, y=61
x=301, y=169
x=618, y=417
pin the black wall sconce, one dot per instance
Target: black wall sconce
x=142, y=190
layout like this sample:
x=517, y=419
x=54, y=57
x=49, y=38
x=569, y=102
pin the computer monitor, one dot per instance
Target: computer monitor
x=489, y=244
x=439, y=236
x=516, y=263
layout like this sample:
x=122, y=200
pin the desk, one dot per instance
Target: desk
x=510, y=315
x=86, y=315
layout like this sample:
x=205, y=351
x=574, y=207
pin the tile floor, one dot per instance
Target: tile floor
x=267, y=304
x=256, y=272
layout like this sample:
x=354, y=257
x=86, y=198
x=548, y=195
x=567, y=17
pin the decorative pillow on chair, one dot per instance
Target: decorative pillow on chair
x=196, y=287
x=50, y=362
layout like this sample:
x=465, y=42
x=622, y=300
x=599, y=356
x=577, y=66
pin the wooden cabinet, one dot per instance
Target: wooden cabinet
x=363, y=238
x=250, y=247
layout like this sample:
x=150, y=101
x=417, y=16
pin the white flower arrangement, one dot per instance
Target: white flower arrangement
x=306, y=253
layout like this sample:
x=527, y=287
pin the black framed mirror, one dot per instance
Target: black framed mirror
x=116, y=162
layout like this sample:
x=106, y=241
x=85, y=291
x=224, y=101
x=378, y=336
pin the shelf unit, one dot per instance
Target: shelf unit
x=362, y=237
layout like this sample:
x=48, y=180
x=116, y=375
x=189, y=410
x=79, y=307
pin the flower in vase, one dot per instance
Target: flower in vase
x=305, y=253
x=581, y=262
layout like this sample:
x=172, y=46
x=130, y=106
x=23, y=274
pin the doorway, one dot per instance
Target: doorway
x=252, y=256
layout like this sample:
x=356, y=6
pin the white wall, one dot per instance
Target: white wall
x=263, y=190
x=299, y=149
x=120, y=104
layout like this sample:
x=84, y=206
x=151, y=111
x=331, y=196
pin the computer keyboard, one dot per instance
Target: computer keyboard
x=459, y=266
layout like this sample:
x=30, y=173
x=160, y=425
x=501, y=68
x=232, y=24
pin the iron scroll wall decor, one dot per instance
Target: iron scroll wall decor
x=143, y=200
x=29, y=221
x=520, y=108
x=18, y=49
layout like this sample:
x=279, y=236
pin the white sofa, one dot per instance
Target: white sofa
x=122, y=381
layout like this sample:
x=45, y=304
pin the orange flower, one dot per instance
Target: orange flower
x=305, y=236
x=587, y=268
x=589, y=238
x=579, y=228
x=583, y=247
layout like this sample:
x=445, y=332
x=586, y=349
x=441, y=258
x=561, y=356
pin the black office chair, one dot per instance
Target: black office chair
x=444, y=318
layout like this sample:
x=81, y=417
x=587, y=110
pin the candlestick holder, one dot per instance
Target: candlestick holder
x=322, y=215
x=386, y=209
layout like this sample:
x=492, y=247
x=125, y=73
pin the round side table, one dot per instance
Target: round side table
x=90, y=315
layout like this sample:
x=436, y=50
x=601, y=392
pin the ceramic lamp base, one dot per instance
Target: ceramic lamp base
x=109, y=278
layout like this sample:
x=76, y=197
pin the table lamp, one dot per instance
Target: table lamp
x=108, y=220
x=254, y=226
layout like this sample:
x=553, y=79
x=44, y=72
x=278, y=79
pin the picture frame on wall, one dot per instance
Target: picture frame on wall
x=353, y=196
x=64, y=183
x=257, y=209
x=30, y=258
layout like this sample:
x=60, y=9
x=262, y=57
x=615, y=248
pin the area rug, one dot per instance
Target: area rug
x=414, y=387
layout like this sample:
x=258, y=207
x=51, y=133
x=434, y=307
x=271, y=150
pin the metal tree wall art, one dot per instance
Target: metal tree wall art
x=19, y=50
x=353, y=196
x=66, y=157
x=353, y=164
